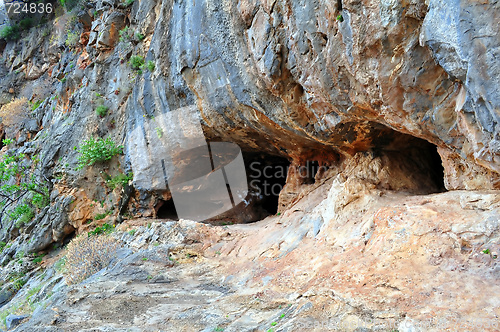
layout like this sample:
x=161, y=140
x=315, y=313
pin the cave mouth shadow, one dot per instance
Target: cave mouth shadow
x=165, y=209
x=267, y=175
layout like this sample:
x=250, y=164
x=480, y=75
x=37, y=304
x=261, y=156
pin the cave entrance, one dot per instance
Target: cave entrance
x=67, y=238
x=166, y=210
x=266, y=178
x=413, y=164
x=435, y=166
x=418, y=161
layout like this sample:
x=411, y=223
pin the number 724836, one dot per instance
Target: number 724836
x=29, y=8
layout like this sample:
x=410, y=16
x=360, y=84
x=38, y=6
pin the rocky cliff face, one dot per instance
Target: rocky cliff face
x=379, y=101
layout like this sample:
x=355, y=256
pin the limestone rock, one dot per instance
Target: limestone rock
x=12, y=321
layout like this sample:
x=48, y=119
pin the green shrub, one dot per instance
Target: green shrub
x=139, y=36
x=119, y=180
x=10, y=32
x=150, y=65
x=136, y=61
x=101, y=216
x=102, y=110
x=22, y=214
x=104, y=229
x=7, y=141
x=19, y=283
x=72, y=39
x=40, y=201
x=129, y=2
x=35, y=105
x=124, y=34
x=93, y=151
x=20, y=188
x=87, y=255
x=17, y=278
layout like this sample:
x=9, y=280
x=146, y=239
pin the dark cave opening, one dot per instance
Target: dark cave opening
x=266, y=178
x=412, y=160
x=436, y=167
x=424, y=165
x=166, y=210
x=67, y=238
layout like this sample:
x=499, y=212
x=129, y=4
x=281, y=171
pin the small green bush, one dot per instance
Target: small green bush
x=72, y=39
x=150, y=65
x=35, y=105
x=104, y=229
x=129, y=2
x=22, y=214
x=139, y=36
x=136, y=62
x=102, y=110
x=97, y=150
x=19, y=283
x=7, y=141
x=119, y=180
x=124, y=34
x=101, y=216
x=10, y=32
x=40, y=201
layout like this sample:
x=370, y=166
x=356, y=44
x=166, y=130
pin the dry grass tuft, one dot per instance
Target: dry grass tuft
x=14, y=112
x=87, y=255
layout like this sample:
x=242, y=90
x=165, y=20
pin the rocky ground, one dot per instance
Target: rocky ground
x=401, y=262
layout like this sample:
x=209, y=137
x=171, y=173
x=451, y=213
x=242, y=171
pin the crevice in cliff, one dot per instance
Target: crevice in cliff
x=436, y=167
